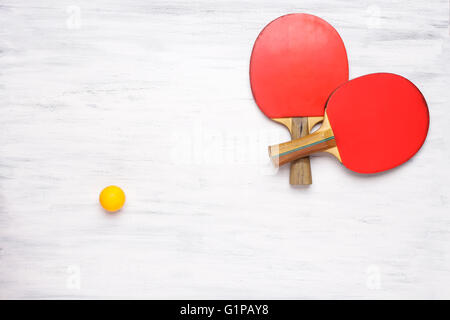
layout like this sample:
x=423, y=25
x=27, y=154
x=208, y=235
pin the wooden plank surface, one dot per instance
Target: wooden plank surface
x=154, y=96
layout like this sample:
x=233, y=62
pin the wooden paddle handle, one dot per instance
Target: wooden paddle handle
x=321, y=140
x=300, y=173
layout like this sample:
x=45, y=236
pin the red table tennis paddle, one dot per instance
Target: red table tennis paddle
x=372, y=123
x=296, y=63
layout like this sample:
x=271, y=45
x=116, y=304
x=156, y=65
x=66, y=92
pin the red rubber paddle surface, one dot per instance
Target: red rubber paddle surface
x=379, y=121
x=297, y=61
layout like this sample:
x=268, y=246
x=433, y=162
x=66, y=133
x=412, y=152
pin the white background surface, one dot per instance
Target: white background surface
x=154, y=96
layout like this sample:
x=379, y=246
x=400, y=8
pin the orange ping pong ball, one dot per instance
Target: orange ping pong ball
x=112, y=198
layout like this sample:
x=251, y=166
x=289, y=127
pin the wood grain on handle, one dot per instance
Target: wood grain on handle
x=300, y=173
x=321, y=140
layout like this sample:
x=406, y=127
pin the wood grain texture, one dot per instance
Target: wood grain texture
x=321, y=140
x=153, y=96
x=300, y=172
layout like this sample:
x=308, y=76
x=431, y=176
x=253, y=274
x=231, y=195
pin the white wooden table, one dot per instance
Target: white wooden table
x=154, y=96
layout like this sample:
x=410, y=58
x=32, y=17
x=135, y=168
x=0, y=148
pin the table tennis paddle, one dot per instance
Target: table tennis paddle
x=296, y=62
x=372, y=123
